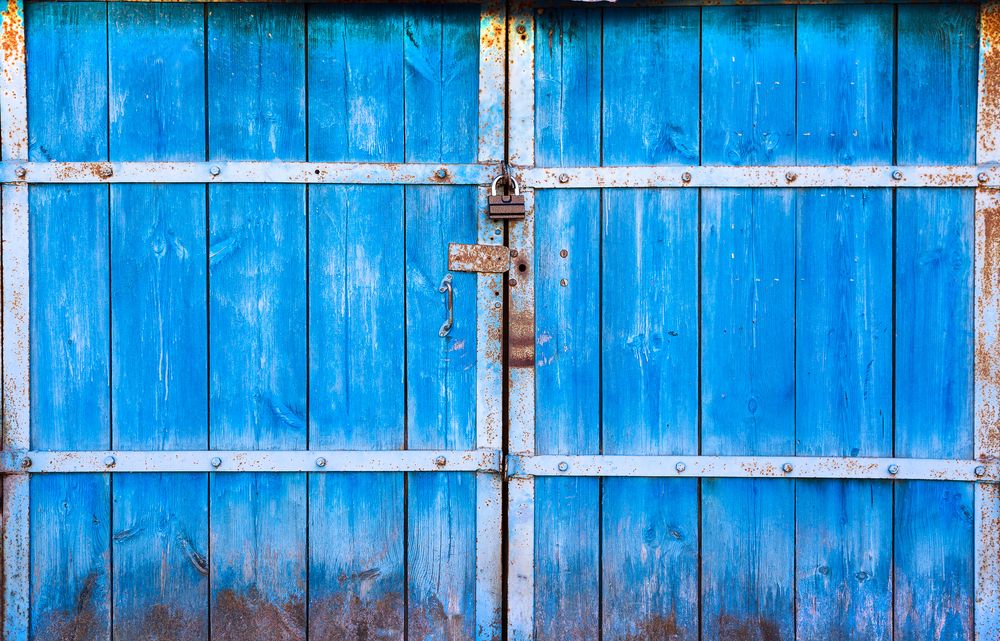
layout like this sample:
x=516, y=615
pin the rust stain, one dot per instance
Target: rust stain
x=660, y=628
x=12, y=37
x=521, y=350
x=248, y=616
x=85, y=622
x=161, y=622
x=348, y=617
x=989, y=80
x=987, y=354
x=747, y=629
x=431, y=621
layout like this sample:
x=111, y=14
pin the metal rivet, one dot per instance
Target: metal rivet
x=513, y=253
x=563, y=253
x=106, y=171
x=321, y=462
x=980, y=470
x=216, y=461
x=983, y=177
x=109, y=461
x=215, y=170
x=686, y=176
x=497, y=231
x=897, y=175
x=791, y=176
x=564, y=178
x=497, y=305
x=20, y=172
x=786, y=468
x=893, y=469
x=441, y=173
x=25, y=462
x=440, y=461
x=564, y=282
x=513, y=282
x=520, y=29
x=563, y=466
x=680, y=467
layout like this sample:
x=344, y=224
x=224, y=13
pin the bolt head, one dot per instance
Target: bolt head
x=106, y=171
x=440, y=461
x=563, y=466
x=983, y=177
x=215, y=170
x=786, y=468
x=216, y=461
x=980, y=470
x=520, y=29
x=564, y=282
x=791, y=176
x=513, y=282
x=321, y=462
x=20, y=172
x=686, y=176
x=680, y=467
x=441, y=173
x=563, y=253
x=564, y=178
x=109, y=461
x=897, y=175
x=25, y=462
x=513, y=253
x=893, y=469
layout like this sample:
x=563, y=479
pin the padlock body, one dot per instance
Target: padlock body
x=506, y=207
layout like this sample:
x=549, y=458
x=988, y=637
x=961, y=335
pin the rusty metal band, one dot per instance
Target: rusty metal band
x=16, y=309
x=489, y=329
x=987, y=322
x=777, y=467
x=94, y=461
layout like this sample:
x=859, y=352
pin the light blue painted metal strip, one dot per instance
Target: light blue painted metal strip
x=16, y=288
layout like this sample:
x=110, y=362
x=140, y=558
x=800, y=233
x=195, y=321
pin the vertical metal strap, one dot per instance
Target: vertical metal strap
x=489, y=337
x=16, y=371
x=987, y=319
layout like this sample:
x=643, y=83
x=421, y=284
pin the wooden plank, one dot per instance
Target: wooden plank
x=936, y=104
x=356, y=273
x=159, y=332
x=70, y=515
x=257, y=242
x=567, y=325
x=844, y=323
x=748, y=303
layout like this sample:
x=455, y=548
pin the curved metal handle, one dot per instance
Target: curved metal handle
x=446, y=288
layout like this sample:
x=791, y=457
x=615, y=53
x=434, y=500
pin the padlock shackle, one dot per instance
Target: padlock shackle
x=496, y=181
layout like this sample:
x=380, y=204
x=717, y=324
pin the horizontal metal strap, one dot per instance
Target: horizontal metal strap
x=248, y=172
x=44, y=462
x=785, y=176
x=795, y=467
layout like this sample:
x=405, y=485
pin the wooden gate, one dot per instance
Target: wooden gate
x=734, y=376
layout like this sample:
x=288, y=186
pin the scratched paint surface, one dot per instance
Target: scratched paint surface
x=742, y=321
x=253, y=316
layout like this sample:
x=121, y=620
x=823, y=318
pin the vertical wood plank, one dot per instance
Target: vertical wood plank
x=843, y=323
x=158, y=323
x=357, y=339
x=567, y=324
x=748, y=303
x=70, y=514
x=257, y=246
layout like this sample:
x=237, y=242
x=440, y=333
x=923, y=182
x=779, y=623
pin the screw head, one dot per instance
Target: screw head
x=216, y=461
x=20, y=172
x=980, y=470
x=897, y=175
x=521, y=29
x=893, y=469
x=686, y=176
x=109, y=461
x=321, y=462
x=513, y=282
x=786, y=468
x=983, y=177
x=215, y=170
x=563, y=466
x=441, y=173
x=564, y=282
x=680, y=467
x=563, y=253
x=791, y=176
x=106, y=171
x=513, y=253
x=440, y=461
x=564, y=178
x=25, y=463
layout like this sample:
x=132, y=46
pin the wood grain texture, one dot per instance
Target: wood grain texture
x=844, y=323
x=159, y=335
x=567, y=324
x=257, y=267
x=70, y=397
x=934, y=550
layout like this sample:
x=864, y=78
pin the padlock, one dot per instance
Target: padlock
x=506, y=206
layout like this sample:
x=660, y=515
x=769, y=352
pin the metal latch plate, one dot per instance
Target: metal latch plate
x=488, y=259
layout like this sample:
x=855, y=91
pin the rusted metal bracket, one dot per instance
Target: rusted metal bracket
x=482, y=259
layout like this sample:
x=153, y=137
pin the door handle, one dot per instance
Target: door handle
x=447, y=289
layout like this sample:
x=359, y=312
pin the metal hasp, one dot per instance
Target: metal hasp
x=482, y=259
